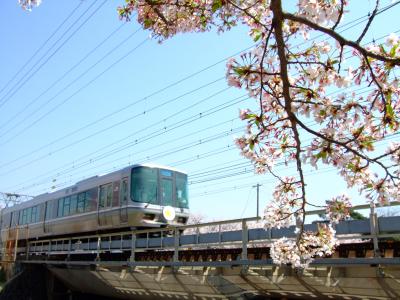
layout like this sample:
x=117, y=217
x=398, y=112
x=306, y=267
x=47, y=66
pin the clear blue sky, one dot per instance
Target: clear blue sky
x=46, y=139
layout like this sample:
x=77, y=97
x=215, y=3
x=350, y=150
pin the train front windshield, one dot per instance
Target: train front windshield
x=159, y=186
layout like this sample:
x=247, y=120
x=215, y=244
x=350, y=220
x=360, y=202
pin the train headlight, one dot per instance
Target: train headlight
x=168, y=213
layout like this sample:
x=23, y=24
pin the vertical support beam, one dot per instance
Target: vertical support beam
x=245, y=240
x=197, y=235
x=16, y=244
x=69, y=249
x=176, y=245
x=373, y=219
x=49, y=250
x=133, y=247
x=27, y=250
x=98, y=248
x=219, y=234
x=258, y=199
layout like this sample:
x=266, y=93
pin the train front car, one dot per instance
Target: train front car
x=135, y=197
x=159, y=196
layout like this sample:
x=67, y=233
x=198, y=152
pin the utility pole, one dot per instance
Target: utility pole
x=258, y=198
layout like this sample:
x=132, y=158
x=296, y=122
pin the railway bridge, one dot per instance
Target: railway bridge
x=217, y=260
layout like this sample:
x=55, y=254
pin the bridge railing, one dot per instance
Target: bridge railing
x=218, y=234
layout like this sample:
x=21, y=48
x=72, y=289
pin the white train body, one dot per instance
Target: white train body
x=133, y=197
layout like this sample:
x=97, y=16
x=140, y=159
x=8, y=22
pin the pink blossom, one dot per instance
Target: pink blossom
x=392, y=40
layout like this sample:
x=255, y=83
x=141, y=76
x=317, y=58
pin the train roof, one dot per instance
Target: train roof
x=83, y=185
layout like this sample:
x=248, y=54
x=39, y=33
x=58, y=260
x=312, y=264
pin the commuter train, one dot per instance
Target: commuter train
x=135, y=197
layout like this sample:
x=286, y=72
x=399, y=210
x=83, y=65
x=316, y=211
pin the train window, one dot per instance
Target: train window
x=14, y=219
x=144, y=185
x=73, y=205
x=166, y=173
x=24, y=216
x=124, y=192
x=115, y=194
x=67, y=206
x=60, y=207
x=49, y=210
x=166, y=192
x=91, y=200
x=28, y=215
x=182, y=190
x=81, y=202
x=34, y=214
x=109, y=195
x=6, y=220
x=106, y=195
x=103, y=196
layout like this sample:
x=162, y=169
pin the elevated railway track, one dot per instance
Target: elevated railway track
x=220, y=260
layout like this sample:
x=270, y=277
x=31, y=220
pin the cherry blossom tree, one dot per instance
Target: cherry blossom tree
x=296, y=80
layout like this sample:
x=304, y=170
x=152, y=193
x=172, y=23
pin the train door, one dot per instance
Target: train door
x=45, y=216
x=105, y=203
x=166, y=188
x=115, y=215
x=50, y=212
x=123, y=201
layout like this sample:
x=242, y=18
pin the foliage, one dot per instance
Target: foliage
x=293, y=84
x=355, y=215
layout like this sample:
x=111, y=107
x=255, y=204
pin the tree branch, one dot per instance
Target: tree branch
x=369, y=22
x=339, y=38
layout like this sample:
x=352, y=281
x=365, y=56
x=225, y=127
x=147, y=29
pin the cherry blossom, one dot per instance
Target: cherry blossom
x=301, y=253
x=29, y=4
x=309, y=113
x=338, y=208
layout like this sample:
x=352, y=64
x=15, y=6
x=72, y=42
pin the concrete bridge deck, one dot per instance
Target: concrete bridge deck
x=223, y=264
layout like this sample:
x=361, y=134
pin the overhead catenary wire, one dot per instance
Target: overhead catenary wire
x=356, y=20
x=91, y=160
x=41, y=47
x=249, y=169
x=76, y=79
x=42, y=147
x=233, y=172
x=75, y=93
x=34, y=100
x=157, y=132
x=139, y=114
x=28, y=75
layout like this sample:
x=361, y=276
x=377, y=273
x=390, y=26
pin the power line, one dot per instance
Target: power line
x=344, y=25
x=75, y=93
x=77, y=79
x=113, y=151
x=156, y=133
x=245, y=49
x=169, y=101
x=28, y=75
x=41, y=46
x=13, y=117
